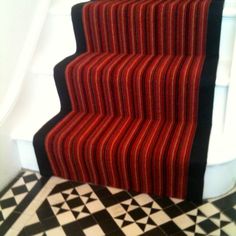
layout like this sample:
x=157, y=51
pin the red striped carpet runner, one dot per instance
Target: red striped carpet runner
x=136, y=97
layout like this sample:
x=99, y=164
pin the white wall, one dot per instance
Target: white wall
x=15, y=24
x=9, y=160
x=15, y=21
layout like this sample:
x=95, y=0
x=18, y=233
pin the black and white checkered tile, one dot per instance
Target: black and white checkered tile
x=14, y=196
x=71, y=208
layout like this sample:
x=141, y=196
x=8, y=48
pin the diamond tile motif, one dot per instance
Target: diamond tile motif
x=15, y=195
x=71, y=204
x=138, y=210
x=208, y=220
x=72, y=208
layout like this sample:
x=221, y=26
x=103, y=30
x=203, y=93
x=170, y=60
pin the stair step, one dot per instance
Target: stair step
x=62, y=7
x=55, y=43
x=57, y=40
x=38, y=103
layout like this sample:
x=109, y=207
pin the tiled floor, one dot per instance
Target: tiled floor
x=34, y=205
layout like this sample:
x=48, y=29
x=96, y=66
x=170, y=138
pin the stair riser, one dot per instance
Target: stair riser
x=214, y=185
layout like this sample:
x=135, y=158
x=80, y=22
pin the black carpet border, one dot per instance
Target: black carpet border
x=60, y=81
x=198, y=157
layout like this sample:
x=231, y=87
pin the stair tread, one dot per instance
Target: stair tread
x=63, y=7
x=53, y=46
x=55, y=43
x=34, y=108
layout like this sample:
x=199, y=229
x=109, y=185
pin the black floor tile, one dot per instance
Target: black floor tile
x=137, y=214
x=73, y=229
x=163, y=202
x=180, y=233
x=30, y=178
x=44, y=211
x=6, y=203
x=102, y=216
x=122, y=196
x=116, y=233
x=231, y=213
x=30, y=196
x=109, y=226
x=61, y=187
x=1, y=216
x=33, y=229
x=19, y=189
x=19, y=207
x=8, y=222
x=97, y=188
x=133, y=193
x=87, y=222
x=75, y=184
x=208, y=226
x=2, y=192
x=186, y=206
x=170, y=228
x=126, y=214
x=173, y=211
x=49, y=223
x=22, y=233
x=72, y=203
x=109, y=201
x=154, y=232
x=103, y=193
x=226, y=202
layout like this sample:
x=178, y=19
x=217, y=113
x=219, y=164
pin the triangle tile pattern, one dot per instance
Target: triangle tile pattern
x=88, y=208
x=207, y=221
x=16, y=194
x=137, y=212
x=77, y=200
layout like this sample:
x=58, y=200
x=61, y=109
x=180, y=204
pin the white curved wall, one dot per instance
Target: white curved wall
x=220, y=174
x=16, y=46
x=15, y=18
x=20, y=28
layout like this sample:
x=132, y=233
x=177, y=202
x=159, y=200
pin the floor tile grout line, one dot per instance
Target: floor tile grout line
x=48, y=186
x=31, y=195
x=10, y=220
x=132, y=197
x=32, y=208
x=8, y=187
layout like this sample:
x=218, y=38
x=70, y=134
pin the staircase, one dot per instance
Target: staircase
x=56, y=41
x=38, y=101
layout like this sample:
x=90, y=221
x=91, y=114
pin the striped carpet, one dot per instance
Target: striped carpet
x=136, y=97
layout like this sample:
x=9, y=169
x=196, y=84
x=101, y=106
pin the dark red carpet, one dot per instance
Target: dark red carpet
x=136, y=97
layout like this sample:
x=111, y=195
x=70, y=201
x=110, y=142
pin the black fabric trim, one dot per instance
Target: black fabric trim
x=198, y=159
x=206, y=94
x=59, y=76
